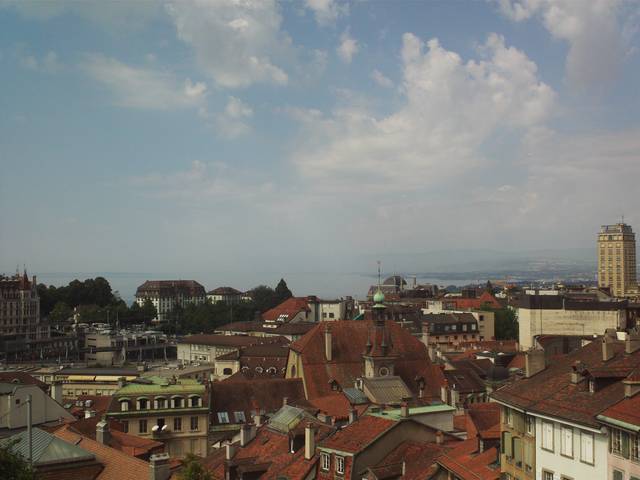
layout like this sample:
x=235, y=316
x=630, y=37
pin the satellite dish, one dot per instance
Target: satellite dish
x=164, y=427
x=155, y=428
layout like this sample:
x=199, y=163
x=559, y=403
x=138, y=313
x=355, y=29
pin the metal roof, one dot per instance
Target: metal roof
x=355, y=396
x=46, y=447
x=386, y=390
x=156, y=385
x=287, y=418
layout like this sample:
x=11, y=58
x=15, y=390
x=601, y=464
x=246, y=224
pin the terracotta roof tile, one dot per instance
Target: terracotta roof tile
x=355, y=436
x=289, y=308
x=419, y=460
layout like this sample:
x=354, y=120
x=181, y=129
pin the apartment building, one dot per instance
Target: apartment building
x=167, y=294
x=617, y=259
x=549, y=423
x=20, y=308
x=175, y=412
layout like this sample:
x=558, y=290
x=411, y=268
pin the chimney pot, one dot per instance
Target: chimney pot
x=607, y=348
x=534, y=362
x=247, y=433
x=404, y=410
x=103, y=435
x=229, y=451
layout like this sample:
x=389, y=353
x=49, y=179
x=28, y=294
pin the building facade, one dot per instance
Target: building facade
x=175, y=412
x=617, y=259
x=20, y=308
x=167, y=294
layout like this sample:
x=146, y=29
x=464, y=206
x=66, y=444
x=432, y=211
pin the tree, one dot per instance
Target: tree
x=264, y=298
x=192, y=469
x=506, y=323
x=60, y=313
x=282, y=291
x=148, y=311
x=14, y=466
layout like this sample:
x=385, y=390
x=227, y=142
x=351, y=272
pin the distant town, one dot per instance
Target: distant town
x=500, y=379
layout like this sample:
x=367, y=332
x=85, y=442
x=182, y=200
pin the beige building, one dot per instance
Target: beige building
x=85, y=381
x=166, y=295
x=20, y=308
x=562, y=315
x=175, y=412
x=617, y=259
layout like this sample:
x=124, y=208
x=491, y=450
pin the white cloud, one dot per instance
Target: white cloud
x=236, y=43
x=451, y=109
x=144, y=88
x=232, y=123
x=49, y=63
x=592, y=29
x=327, y=12
x=381, y=79
x=348, y=47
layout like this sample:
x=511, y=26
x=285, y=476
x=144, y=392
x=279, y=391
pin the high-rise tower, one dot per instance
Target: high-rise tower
x=617, y=259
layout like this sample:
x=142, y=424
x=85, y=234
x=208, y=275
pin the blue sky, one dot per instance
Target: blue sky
x=227, y=136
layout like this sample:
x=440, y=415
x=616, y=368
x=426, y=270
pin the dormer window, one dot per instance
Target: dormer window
x=161, y=402
x=383, y=371
x=194, y=401
x=125, y=405
x=339, y=465
x=178, y=402
x=143, y=404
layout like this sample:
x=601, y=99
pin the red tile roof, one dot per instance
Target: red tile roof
x=117, y=465
x=349, y=339
x=419, y=460
x=627, y=410
x=356, y=436
x=22, y=378
x=466, y=463
x=290, y=307
x=474, y=303
x=552, y=393
x=484, y=418
x=336, y=405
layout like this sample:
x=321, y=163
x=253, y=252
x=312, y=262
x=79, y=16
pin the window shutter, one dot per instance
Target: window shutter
x=508, y=447
x=625, y=444
x=528, y=453
x=517, y=449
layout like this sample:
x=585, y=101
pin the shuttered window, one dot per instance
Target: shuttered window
x=567, y=442
x=547, y=436
x=517, y=450
x=528, y=455
x=586, y=447
x=507, y=447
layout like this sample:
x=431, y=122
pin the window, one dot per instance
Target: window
x=546, y=475
x=566, y=447
x=325, y=461
x=143, y=404
x=177, y=402
x=142, y=426
x=240, y=417
x=530, y=424
x=223, y=417
x=195, y=401
x=507, y=416
x=618, y=475
x=161, y=403
x=586, y=447
x=124, y=405
x=125, y=426
x=547, y=436
x=227, y=371
x=194, y=423
x=340, y=465
x=331, y=315
x=616, y=441
x=177, y=424
x=634, y=448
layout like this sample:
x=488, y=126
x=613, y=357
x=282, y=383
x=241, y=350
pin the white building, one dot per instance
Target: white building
x=167, y=294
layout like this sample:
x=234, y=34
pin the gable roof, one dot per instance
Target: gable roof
x=349, y=339
x=22, y=378
x=552, y=393
x=287, y=309
x=357, y=435
x=117, y=465
x=417, y=458
x=484, y=419
x=466, y=463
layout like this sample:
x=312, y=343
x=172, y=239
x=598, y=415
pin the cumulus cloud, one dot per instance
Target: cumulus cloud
x=451, y=109
x=326, y=12
x=232, y=123
x=236, y=43
x=144, y=88
x=592, y=29
x=348, y=47
x=381, y=79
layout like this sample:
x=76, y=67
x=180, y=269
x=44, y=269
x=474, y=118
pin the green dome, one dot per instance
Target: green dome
x=378, y=297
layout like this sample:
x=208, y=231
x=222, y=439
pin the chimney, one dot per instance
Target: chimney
x=439, y=437
x=632, y=342
x=534, y=362
x=103, y=435
x=89, y=413
x=607, y=348
x=353, y=415
x=404, y=410
x=56, y=391
x=309, y=441
x=122, y=381
x=576, y=372
x=247, y=433
x=230, y=451
x=285, y=401
x=159, y=468
x=328, y=344
x=257, y=420
x=631, y=388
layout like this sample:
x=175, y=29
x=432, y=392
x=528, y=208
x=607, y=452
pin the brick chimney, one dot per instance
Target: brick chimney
x=534, y=362
x=247, y=433
x=328, y=344
x=159, y=468
x=309, y=441
x=103, y=435
x=353, y=415
x=607, y=348
x=404, y=410
x=632, y=342
x=439, y=437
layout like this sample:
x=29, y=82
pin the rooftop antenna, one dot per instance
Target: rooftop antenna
x=379, y=274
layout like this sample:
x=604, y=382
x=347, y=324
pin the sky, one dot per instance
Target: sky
x=317, y=135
